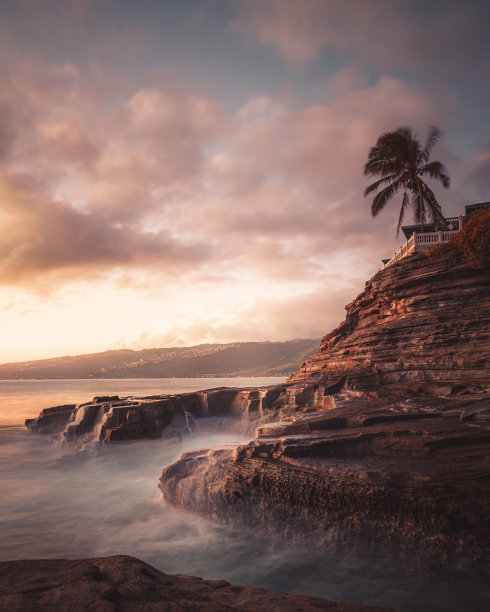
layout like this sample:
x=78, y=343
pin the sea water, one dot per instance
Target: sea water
x=60, y=502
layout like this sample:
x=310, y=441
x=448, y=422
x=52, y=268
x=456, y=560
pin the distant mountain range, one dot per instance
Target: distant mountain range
x=235, y=359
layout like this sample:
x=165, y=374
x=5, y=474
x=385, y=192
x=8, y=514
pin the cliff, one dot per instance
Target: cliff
x=385, y=448
x=416, y=321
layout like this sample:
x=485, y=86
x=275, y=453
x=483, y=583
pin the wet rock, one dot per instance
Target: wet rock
x=51, y=420
x=116, y=419
x=413, y=483
x=126, y=584
x=102, y=399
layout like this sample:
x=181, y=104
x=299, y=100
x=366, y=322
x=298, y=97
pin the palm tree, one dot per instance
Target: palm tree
x=401, y=162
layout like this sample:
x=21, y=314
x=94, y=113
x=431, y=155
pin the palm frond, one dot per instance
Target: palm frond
x=436, y=170
x=406, y=132
x=433, y=208
x=418, y=206
x=374, y=186
x=397, y=146
x=391, y=148
x=411, y=145
x=432, y=138
x=381, y=198
x=382, y=167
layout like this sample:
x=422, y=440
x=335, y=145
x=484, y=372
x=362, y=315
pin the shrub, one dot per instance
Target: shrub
x=444, y=250
x=473, y=241
x=472, y=244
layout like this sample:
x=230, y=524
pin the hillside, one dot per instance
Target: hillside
x=235, y=359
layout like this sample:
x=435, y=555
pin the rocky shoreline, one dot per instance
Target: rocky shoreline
x=405, y=479
x=125, y=583
x=115, y=419
x=394, y=455
x=379, y=442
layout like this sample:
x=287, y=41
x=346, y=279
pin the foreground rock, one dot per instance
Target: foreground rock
x=126, y=583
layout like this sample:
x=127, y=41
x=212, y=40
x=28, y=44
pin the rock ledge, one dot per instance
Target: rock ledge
x=126, y=584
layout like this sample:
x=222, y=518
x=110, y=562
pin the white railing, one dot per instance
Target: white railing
x=420, y=242
x=430, y=238
x=407, y=249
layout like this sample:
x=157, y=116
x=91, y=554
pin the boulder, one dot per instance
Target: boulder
x=125, y=584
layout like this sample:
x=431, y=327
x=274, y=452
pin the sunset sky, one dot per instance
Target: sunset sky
x=179, y=172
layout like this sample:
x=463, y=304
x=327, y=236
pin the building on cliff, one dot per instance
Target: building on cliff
x=421, y=238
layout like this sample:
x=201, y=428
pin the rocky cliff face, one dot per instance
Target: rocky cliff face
x=386, y=441
x=417, y=321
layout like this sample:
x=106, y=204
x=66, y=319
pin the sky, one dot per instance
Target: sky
x=175, y=173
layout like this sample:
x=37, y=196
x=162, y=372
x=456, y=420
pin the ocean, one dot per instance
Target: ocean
x=61, y=502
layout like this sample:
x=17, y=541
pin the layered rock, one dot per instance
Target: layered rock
x=107, y=418
x=112, y=419
x=386, y=446
x=416, y=321
x=406, y=476
x=125, y=584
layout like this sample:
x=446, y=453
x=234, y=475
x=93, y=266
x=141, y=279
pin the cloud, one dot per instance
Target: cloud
x=94, y=184
x=382, y=33
x=297, y=30
x=164, y=176
x=208, y=222
x=42, y=236
x=289, y=192
x=305, y=316
x=60, y=130
x=476, y=177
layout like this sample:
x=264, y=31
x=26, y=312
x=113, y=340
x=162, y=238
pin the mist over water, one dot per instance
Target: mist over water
x=59, y=502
